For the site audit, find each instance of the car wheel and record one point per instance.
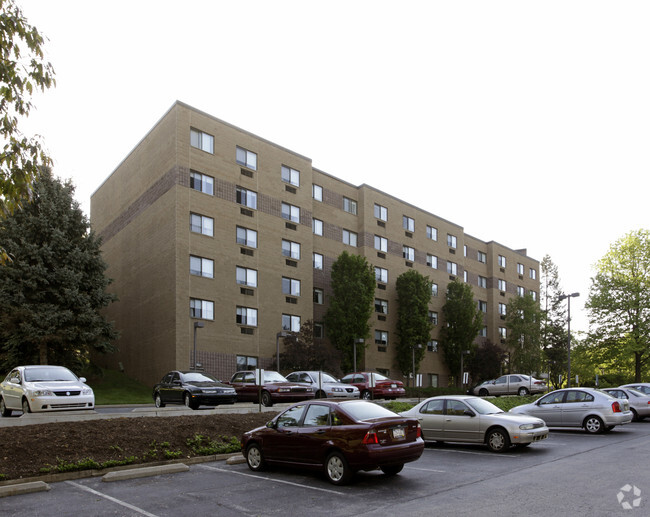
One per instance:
(392, 470)
(635, 415)
(593, 425)
(187, 400)
(320, 394)
(337, 469)
(498, 440)
(522, 392)
(26, 408)
(365, 395)
(254, 458)
(483, 392)
(4, 411)
(267, 401)
(158, 401)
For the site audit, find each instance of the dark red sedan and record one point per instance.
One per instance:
(275, 388)
(384, 388)
(340, 438)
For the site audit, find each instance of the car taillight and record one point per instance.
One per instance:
(419, 431)
(616, 407)
(370, 438)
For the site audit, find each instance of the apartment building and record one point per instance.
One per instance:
(218, 240)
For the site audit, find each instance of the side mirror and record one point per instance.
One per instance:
(271, 424)
(82, 379)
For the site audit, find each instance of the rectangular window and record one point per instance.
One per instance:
(319, 330)
(432, 233)
(451, 241)
(381, 212)
(482, 257)
(202, 141)
(290, 249)
(202, 183)
(483, 332)
(246, 158)
(317, 192)
(381, 275)
(247, 277)
(465, 276)
(381, 243)
(534, 295)
(433, 377)
(317, 226)
(318, 296)
(291, 176)
(201, 266)
(432, 261)
(521, 291)
(482, 282)
(502, 309)
(465, 250)
(201, 309)
(381, 306)
(408, 253)
(452, 268)
(502, 261)
(245, 362)
(520, 269)
(247, 198)
(408, 223)
(502, 332)
(291, 322)
(349, 205)
(381, 337)
(246, 237)
(290, 286)
(432, 346)
(247, 316)
(434, 290)
(318, 261)
(502, 285)
(290, 212)
(202, 224)
(433, 317)
(482, 306)
(532, 273)
(349, 238)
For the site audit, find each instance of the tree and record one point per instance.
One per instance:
(486, 362)
(23, 70)
(553, 334)
(52, 292)
(413, 324)
(619, 302)
(350, 308)
(301, 353)
(523, 339)
(462, 323)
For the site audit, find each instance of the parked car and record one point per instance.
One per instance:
(193, 389)
(383, 386)
(639, 401)
(474, 390)
(275, 388)
(325, 385)
(42, 388)
(340, 437)
(469, 419)
(512, 384)
(641, 386)
(589, 408)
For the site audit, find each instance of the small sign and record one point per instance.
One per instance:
(372, 380)
(466, 378)
(259, 376)
(418, 380)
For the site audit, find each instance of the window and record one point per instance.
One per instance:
(202, 141)
(408, 253)
(451, 241)
(290, 286)
(483, 331)
(432, 261)
(521, 291)
(319, 330)
(247, 277)
(202, 309)
(349, 205)
(534, 295)
(532, 273)
(381, 337)
(502, 261)
(502, 309)
(202, 183)
(433, 317)
(381, 243)
(201, 266)
(202, 224)
(482, 282)
(381, 275)
(247, 198)
(502, 332)
(433, 379)
(317, 226)
(432, 233)
(246, 158)
(245, 362)
(291, 176)
(246, 237)
(318, 296)
(247, 316)
(465, 276)
(452, 268)
(317, 260)
(482, 257)
(349, 238)
(502, 285)
(408, 223)
(317, 192)
(432, 346)
(290, 212)
(482, 306)
(291, 249)
(434, 290)
(520, 269)
(291, 322)
(381, 212)
(465, 251)
(381, 306)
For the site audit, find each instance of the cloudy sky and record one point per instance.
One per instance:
(525, 122)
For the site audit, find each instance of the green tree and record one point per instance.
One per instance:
(413, 324)
(523, 340)
(554, 318)
(486, 362)
(350, 308)
(301, 353)
(22, 70)
(619, 303)
(53, 290)
(462, 323)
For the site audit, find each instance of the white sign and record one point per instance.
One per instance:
(259, 376)
(466, 378)
(418, 380)
(372, 380)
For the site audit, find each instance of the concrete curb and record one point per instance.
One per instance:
(24, 488)
(145, 472)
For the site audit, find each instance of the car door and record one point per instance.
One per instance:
(165, 389)
(461, 423)
(577, 405)
(314, 435)
(514, 383)
(549, 408)
(500, 386)
(431, 417)
(280, 441)
(13, 390)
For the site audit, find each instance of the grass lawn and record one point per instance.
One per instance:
(113, 387)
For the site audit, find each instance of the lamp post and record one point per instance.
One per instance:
(279, 335)
(413, 348)
(197, 325)
(359, 341)
(568, 323)
(462, 359)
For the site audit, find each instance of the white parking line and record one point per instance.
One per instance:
(426, 470)
(256, 476)
(108, 497)
(490, 454)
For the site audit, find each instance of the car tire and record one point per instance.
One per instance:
(4, 410)
(267, 400)
(593, 425)
(255, 458)
(392, 470)
(26, 408)
(635, 415)
(337, 470)
(498, 440)
(483, 392)
(320, 394)
(366, 395)
(157, 400)
(187, 400)
(522, 392)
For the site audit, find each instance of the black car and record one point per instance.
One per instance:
(192, 389)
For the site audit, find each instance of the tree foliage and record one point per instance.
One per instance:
(462, 323)
(485, 363)
(23, 70)
(619, 303)
(553, 332)
(52, 292)
(350, 308)
(523, 339)
(301, 353)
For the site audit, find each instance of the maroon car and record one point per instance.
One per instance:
(384, 387)
(275, 388)
(340, 438)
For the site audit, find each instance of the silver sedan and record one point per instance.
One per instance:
(462, 418)
(639, 401)
(325, 385)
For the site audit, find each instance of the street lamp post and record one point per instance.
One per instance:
(568, 323)
(359, 341)
(197, 325)
(279, 335)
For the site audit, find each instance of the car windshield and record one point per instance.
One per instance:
(326, 377)
(362, 410)
(274, 377)
(483, 407)
(380, 377)
(49, 374)
(198, 377)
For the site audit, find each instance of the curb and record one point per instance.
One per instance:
(24, 488)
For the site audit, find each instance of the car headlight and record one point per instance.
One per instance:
(284, 390)
(337, 389)
(526, 427)
(42, 393)
(87, 391)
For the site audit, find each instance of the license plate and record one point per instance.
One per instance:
(398, 433)
(393, 385)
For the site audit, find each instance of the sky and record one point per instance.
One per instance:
(527, 123)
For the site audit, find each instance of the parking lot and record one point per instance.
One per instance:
(570, 472)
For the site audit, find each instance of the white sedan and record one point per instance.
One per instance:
(41, 388)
